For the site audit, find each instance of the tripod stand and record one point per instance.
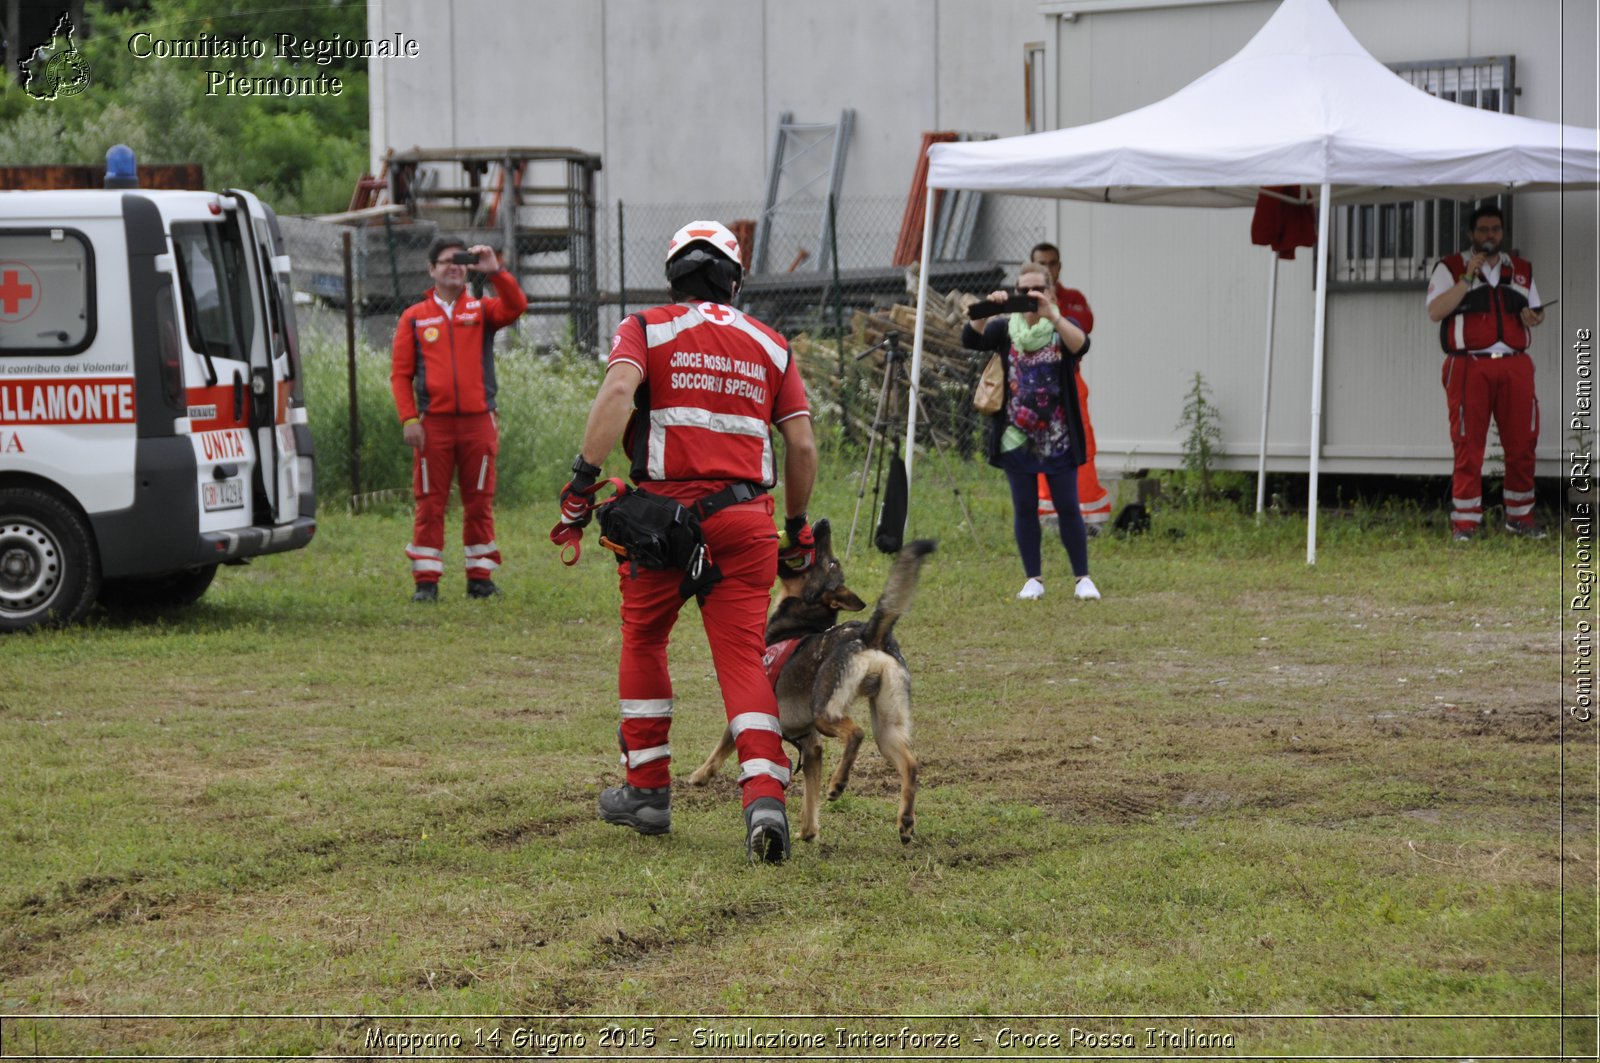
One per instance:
(878, 440)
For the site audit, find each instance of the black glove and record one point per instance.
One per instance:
(577, 497)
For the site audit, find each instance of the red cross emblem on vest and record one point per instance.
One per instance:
(716, 312)
(19, 291)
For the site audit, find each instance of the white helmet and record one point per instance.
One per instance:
(711, 233)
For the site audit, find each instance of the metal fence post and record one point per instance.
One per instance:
(350, 363)
(622, 266)
(838, 316)
(394, 260)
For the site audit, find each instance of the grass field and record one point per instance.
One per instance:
(1316, 810)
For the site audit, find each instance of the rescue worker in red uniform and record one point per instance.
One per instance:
(697, 386)
(1487, 305)
(443, 380)
(1094, 501)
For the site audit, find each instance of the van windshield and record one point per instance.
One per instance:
(216, 289)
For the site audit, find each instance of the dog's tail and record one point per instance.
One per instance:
(897, 593)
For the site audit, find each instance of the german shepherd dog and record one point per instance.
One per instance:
(833, 665)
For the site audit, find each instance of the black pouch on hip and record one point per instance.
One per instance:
(650, 531)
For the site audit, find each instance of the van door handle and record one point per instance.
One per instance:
(238, 395)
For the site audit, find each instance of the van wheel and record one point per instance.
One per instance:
(49, 570)
(169, 591)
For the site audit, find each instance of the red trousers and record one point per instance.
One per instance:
(464, 444)
(1478, 389)
(1094, 501)
(743, 543)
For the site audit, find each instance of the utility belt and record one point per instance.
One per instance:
(1483, 354)
(654, 532)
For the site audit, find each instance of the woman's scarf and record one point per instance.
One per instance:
(1026, 337)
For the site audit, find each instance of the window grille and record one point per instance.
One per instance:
(1395, 245)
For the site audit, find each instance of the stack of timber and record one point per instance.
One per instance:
(941, 341)
(846, 384)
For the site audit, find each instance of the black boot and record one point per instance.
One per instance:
(766, 831)
(648, 811)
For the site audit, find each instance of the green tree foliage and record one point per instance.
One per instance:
(300, 153)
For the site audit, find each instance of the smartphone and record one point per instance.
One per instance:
(1016, 304)
(463, 258)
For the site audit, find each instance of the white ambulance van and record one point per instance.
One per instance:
(152, 418)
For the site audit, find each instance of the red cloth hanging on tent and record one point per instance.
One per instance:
(1283, 226)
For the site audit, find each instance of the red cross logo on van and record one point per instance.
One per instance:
(19, 291)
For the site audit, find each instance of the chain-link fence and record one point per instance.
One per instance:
(847, 314)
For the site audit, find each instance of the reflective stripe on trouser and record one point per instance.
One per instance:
(646, 755)
(425, 563)
(1477, 389)
(482, 559)
(743, 543)
(1519, 505)
(458, 447)
(1466, 511)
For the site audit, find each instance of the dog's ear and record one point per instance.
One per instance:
(844, 599)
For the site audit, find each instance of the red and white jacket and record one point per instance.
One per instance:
(444, 363)
(1074, 306)
(1489, 314)
(715, 380)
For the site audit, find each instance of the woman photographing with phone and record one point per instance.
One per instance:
(1039, 427)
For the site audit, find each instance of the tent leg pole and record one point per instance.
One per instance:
(1266, 381)
(912, 401)
(1318, 348)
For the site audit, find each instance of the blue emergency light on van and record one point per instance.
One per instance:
(122, 167)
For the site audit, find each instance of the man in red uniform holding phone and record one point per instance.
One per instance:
(443, 381)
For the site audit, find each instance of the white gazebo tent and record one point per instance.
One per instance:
(1301, 104)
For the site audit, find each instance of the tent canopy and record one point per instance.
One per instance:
(1302, 103)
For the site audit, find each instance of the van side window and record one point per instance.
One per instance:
(46, 292)
(216, 289)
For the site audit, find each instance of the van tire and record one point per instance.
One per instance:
(151, 593)
(49, 567)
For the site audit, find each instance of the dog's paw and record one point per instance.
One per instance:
(908, 826)
(700, 777)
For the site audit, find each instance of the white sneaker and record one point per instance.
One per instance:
(1034, 588)
(1087, 591)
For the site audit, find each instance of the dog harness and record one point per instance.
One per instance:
(777, 655)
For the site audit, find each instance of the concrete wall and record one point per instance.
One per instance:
(680, 97)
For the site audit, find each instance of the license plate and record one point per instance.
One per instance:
(222, 494)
